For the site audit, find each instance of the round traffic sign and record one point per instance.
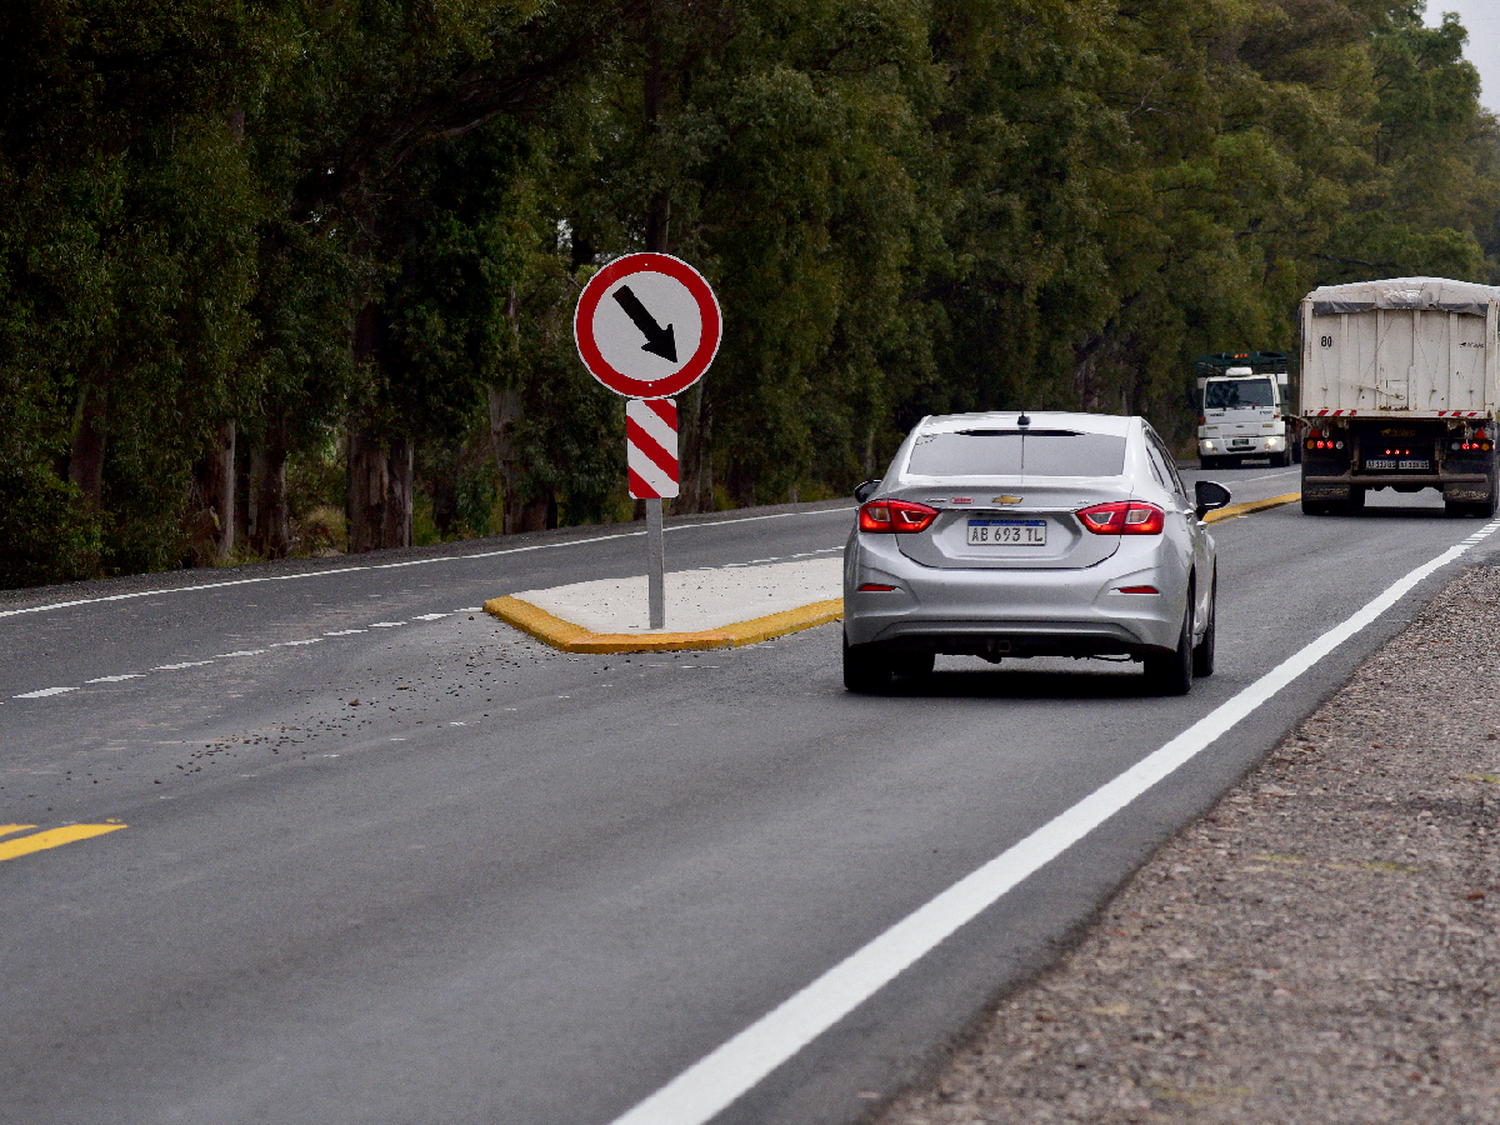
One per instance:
(647, 325)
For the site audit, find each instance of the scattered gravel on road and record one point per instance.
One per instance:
(1322, 947)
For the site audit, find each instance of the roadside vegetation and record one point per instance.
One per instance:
(297, 276)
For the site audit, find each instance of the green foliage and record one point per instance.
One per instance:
(329, 223)
(46, 537)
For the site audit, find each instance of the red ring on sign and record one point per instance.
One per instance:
(708, 313)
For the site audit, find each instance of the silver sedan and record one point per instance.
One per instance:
(1014, 535)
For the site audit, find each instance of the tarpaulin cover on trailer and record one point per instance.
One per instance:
(1462, 297)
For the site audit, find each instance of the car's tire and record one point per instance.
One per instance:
(914, 664)
(866, 672)
(1203, 651)
(1172, 673)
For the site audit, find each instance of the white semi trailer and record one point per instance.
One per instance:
(1398, 390)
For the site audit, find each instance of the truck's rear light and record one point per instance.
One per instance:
(1123, 517)
(900, 517)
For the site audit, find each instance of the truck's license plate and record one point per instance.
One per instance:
(1393, 464)
(1015, 533)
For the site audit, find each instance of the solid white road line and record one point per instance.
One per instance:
(671, 529)
(718, 1079)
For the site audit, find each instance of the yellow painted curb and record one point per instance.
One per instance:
(1245, 509)
(564, 635)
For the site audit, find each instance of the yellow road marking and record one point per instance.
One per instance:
(1234, 510)
(52, 838)
(569, 637)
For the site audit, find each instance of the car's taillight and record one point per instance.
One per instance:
(1124, 517)
(901, 517)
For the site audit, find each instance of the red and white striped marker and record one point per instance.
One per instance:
(651, 447)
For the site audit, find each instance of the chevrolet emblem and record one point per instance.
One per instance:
(1006, 500)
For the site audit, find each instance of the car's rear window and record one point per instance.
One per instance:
(1042, 453)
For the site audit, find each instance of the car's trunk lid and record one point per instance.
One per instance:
(1014, 523)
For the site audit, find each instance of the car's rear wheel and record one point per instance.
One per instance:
(1203, 652)
(865, 671)
(914, 664)
(1172, 673)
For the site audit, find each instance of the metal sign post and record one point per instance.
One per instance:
(656, 564)
(647, 326)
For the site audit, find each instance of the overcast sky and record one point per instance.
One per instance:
(1481, 19)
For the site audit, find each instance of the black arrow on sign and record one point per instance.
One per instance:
(659, 341)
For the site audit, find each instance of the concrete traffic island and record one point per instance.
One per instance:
(717, 607)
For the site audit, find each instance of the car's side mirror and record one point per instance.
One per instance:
(1210, 496)
(865, 490)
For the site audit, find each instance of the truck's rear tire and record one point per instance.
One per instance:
(1484, 509)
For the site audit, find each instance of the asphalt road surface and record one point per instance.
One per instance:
(332, 845)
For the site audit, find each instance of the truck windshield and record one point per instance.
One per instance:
(1240, 394)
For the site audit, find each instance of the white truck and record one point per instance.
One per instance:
(1244, 408)
(1398, 390)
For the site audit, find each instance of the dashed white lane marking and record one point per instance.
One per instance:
(48, 692)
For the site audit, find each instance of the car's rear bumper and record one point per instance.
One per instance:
(1033, 612)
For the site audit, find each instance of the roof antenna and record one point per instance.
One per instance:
(1024, 419)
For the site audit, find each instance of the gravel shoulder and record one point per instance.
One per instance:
(1321, 947)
